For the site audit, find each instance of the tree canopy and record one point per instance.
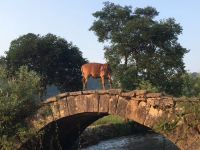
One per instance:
(140, 48)
(55, 59)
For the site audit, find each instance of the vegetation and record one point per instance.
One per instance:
(108, 120)
(56, 60)
(146, 85)
(165, 126)
(2, 61)
(191, 85)
(191, 108)
(144, 54)
(19, 95)
(140, 48)
(187, 116)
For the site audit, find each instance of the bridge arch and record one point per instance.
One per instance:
(72, 112)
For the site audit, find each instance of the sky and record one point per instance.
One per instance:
(71, 19)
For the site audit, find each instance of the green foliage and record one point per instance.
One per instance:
(140, 48)
(127, 78)
(2, 61)
(146, 85)
(19, 99)
(56, 60)
(187, 116)
(165, 126)
(109, 120)
(190, 107)
(191, 86)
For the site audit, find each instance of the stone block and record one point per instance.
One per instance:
(128, 94)
(155, 102)
(162, 103)
(92, 102)
(62, 95)
(71, 105)
(131, 108)
(63, 108)
(89, 92)
(42, 118)
(104, 103)
(121, 107)
(141, 115)
(153, 95)
(75, 93)
(136, 113)
(51, 100)
(113, 104)
(168, 102)
(198, 127)
(80, 104)
(140, 92)
(138, 99)
(153, 112)
(102, 91)
(150, 121)
(115, 91)
(142, 104)
(55, 108)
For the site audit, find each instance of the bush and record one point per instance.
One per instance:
(191, 85)
(19, 99)
(146, 85)
(109, 120)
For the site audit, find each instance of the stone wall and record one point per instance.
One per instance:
(140, 106)
(153, 110)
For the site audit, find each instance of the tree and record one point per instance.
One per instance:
(18, 100)
(2, 61)
(191, 84)
(139, 45)
(56, 60)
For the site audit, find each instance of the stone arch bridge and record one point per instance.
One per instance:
(72, 112)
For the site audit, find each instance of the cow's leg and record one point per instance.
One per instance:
(103, 82)
(84, 80)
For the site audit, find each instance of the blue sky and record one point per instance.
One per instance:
(71, 20)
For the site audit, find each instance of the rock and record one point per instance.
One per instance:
(154, 95)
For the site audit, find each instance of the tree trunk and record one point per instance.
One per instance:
(126, 61)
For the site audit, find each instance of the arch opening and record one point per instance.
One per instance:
(64, 133)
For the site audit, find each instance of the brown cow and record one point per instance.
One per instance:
(96, 70)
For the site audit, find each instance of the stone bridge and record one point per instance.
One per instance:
(70, 113)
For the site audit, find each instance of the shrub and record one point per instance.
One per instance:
(146, 85)
(19, 99)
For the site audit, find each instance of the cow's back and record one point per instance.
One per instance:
(91, 69)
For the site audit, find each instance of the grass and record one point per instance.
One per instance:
(111, 119)
(165, 126)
